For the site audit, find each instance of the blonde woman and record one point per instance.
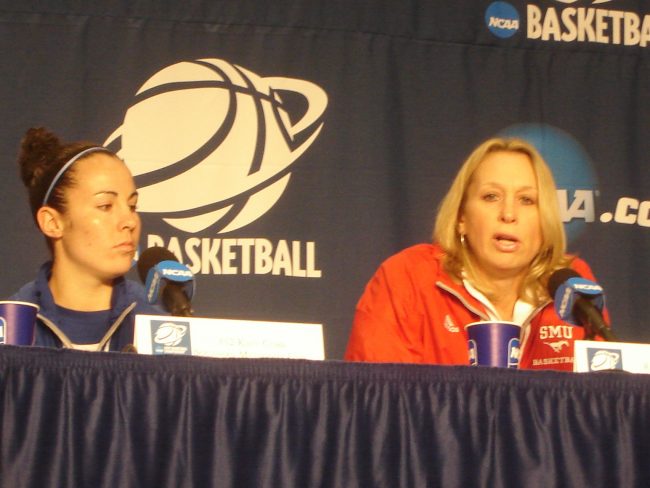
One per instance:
(497, 239)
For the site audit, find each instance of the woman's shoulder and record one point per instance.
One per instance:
(134, 289)
(26, 293)
(580, 266)
(419, 258)
(419, 252)
(135, 292)
(32, 290)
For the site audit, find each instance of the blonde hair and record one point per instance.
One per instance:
(552, 253)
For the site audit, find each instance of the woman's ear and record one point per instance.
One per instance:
(50, 222)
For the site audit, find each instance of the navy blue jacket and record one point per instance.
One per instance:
(128, 299)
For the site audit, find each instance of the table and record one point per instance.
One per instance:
(81, 419)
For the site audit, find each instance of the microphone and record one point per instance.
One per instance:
(579, 302)
(163, 276)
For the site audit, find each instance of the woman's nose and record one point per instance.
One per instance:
(508, 214)
(129, 219)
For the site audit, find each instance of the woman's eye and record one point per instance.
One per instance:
(105, 207)
(526, 200)
(490, 197)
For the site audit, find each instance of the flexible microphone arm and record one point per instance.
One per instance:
(175, 300)
(593, 321)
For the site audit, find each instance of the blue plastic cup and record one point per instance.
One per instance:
(493, 343)
(17, 322)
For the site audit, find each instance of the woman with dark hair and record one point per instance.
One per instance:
(498, 238)
(83, 199)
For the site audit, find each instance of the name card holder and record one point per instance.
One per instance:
(226, 338)
(603, 356)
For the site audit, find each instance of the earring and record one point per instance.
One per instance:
(462, 240)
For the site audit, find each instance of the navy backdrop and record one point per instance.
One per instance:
(284, 149)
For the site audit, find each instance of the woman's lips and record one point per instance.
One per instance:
(506, 242)
(125, 247)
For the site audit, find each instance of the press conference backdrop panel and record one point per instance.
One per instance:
(284, 149)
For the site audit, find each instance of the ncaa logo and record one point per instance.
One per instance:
(502, 19)
(212, 143)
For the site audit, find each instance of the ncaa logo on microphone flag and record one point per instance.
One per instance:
(212, 144)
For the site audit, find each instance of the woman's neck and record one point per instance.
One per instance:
(79, 292)
(505, 307)
(505, 293)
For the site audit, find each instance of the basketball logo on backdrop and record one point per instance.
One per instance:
(212, 146)
(211, 143)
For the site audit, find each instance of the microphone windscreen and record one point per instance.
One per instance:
(560, 277)
(152, 256)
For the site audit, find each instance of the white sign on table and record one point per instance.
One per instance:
(227, 338)
(603, 356)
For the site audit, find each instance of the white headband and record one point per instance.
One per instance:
(67, 165)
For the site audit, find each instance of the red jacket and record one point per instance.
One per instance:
(413, 312)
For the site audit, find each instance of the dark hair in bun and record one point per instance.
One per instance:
(42, 155)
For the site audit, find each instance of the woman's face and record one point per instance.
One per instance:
(500, 217)
(100, 228)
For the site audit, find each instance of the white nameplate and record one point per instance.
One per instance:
(602, 356)
(225, 338)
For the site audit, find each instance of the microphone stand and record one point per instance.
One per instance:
(593, 323)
